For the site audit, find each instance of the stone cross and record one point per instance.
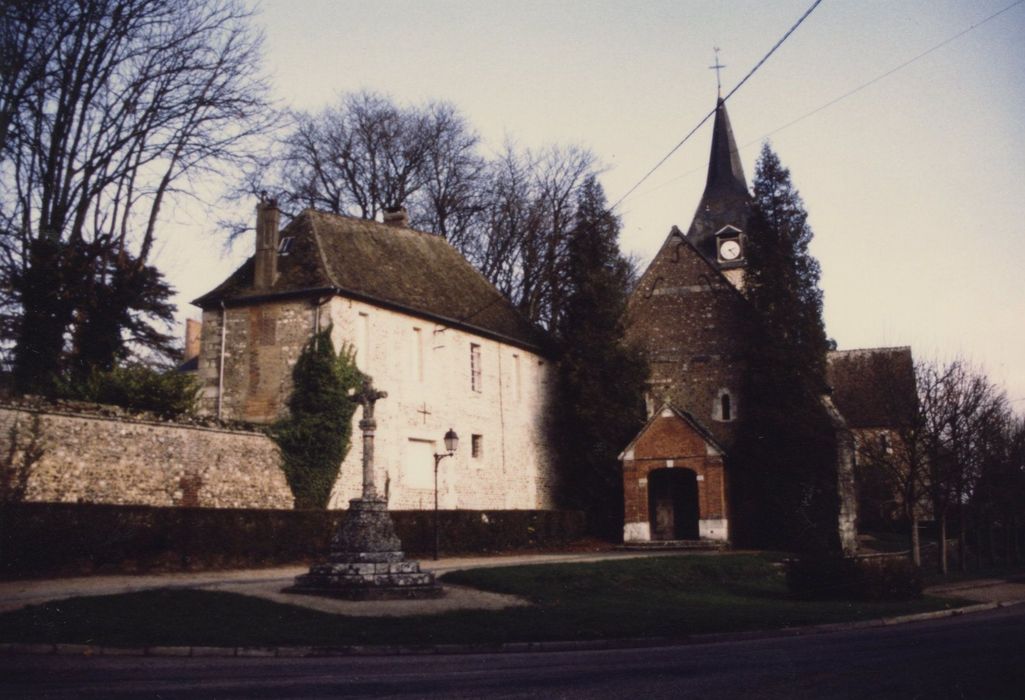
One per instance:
(367, 396)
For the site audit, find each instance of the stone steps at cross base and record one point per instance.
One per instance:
(675, 545)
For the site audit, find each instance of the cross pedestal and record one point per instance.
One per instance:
(366, 561)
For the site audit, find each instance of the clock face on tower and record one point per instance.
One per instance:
(729, 250)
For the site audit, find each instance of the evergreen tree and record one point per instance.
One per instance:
(787, 449)
(601, 380)
(315, 437)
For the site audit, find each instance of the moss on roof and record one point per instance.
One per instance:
(392, 266)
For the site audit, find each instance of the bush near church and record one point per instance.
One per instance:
(830, 576)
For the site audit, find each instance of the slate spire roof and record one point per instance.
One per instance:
(725, 172)
(726, 200)
(394, 267)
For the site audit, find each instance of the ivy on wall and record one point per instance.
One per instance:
(316, 435)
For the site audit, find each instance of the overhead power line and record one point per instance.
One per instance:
(854, 91)
(724, 99)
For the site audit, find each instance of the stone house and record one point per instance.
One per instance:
(447, 347)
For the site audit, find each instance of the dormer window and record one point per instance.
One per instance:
(285, 246)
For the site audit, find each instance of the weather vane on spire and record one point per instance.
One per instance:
(717, 67)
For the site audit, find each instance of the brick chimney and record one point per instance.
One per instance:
(193, 329)
(267, 216)
(396, 216)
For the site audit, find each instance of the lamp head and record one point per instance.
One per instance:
(451, 440)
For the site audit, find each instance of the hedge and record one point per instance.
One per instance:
(46, 539)
(835, 577)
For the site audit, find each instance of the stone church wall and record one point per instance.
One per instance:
(428, 371)
(98, 459)
(690, 322)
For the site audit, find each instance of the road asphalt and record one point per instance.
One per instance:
(966, 656)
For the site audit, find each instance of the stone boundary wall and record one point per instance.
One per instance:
(97, 459)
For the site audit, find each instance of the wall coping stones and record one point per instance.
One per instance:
(116, 414)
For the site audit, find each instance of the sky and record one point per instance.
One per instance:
(914, 184)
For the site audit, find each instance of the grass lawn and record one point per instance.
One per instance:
(661, 597)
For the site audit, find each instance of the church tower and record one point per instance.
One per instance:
(718, 228)
(690, 319)
(687, 312)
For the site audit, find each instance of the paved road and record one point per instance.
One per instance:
(972, 656)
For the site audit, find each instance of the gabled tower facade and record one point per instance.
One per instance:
(689, 317)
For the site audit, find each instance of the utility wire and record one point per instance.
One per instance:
(853, 91)
(724, 99)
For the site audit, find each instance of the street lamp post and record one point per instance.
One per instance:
(451, 443)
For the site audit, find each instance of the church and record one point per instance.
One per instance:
(687, 315)
(446, 346)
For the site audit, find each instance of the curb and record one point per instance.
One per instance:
(86, 650)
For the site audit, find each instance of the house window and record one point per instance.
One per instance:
(285, 246)
(363, 341)
(884, 444)
(417, 355)
(725, 408)
(477, 446)
(517, 385)
(475, 373)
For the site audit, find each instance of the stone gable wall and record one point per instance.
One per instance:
(97, 459)
(690, 324)
(262, 343)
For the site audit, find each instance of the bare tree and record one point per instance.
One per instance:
(895, 455)
(117, 104)
(963, 418)
(366, 154)
(509, 215)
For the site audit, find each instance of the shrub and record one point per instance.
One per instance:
(48, 539)
(832, 577)
(139, 388)
(315, 437)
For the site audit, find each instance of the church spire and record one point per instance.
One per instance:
(719, 225)
(725, 173)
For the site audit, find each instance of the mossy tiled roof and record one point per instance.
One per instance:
(401, 268)
(872, 387)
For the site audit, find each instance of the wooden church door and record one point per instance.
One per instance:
(673, 504)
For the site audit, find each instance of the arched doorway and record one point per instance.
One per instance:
(673, 504)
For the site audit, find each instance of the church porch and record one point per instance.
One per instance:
(674, 485)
